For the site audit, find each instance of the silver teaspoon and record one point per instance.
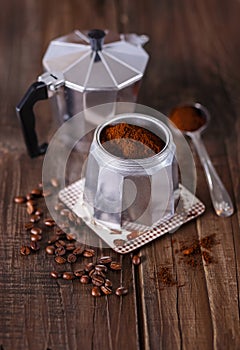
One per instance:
(220, 198)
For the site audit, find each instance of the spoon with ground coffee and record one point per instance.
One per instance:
(192, 120)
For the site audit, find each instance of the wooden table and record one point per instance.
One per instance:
(195, 55)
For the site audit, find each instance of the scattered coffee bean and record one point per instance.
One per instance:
(58, 244)
(101, 268)
(50, 249)
(35, 237)
(36, 192)
(121, 291)
(34, 218)
(79, 250)
(71, 237)
(36, 231)
(60, 259)
(115, 232)
(106, 290)
(55, 274)
(89, 267)
(49, 222)
(115, 265)
(119, 242)
(30, 209)
(70, 247)
(134, 234)
(64, 212)
(72, 217)
(25, 250)
(28, 226)
(91, 273)
(97, 280)
(84, 279)
(108, 283)
(53, 239)
(47, 193)
(39, 211)
(59, 206)
(105, 260)
(54, 182)
(29, 196)
(34, 246)
(20, 199)
(96, 292)
(68, 275)
(31, 202)
(79, 273)
(88, 253)
(136, 260)
(60, 251)
(71, 258)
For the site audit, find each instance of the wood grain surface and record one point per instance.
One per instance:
(195, 54)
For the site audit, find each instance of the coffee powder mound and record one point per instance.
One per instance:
(130, 141)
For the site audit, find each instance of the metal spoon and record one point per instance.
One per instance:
(220, 198)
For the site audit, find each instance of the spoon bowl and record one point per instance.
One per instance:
(220, 198)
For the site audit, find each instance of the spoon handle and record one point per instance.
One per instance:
(220, 198)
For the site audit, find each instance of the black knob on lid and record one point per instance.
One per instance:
(96, 37)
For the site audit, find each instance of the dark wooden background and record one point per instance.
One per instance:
(195, 55)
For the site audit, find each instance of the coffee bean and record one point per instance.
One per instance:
(28, 226)
(35, 238)
(71, 258)
(49, 222)
(36, 231)
(101, 268)
(115, 265)
(105, 260)
(20, 199)
(136, 260)
(53, 239)
(64, 212)
(59, 206)
(34, 218)
(34, 246)
(71, 236)
(46, 193)
(134, 234)
(54, 182)
(62, 242)
(39, 212)
(65, 226)
(79, 250)
(60, 259)
(88, 253)
(70, 246)
(84, 279)
(31, 202)
(79, 273)
(59, 244)
(68, 275)
(108, 283)
(115, 232)
(30, 209)
(72, 217)
(36, 192)
(25, 250)
(29, 196)
(60, 251)
(55, 274)
(89, 267)
(121, 291)
(106, 290)
(119, 242)
(97, 280)
(60, 232)
(50, 249)
(96, 292)
(91, 273)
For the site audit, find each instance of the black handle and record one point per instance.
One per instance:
(36, 92)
